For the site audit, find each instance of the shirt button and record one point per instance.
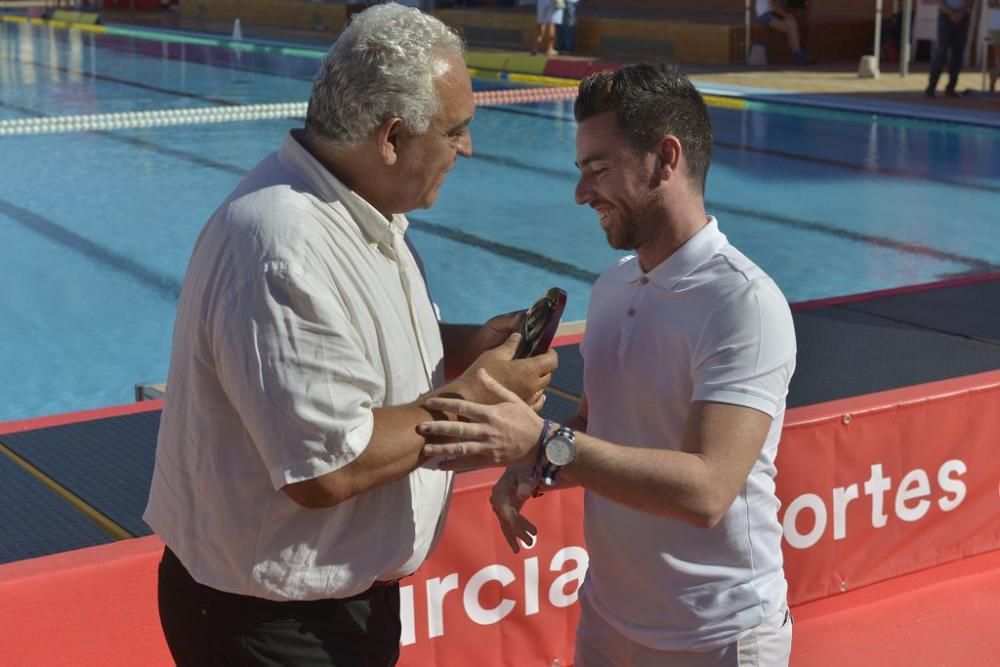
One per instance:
(644, 280)
(631, 312)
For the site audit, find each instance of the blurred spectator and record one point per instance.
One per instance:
(566, 31)
(549, 13)
(775, 16)
(952, 31)
(801, 11)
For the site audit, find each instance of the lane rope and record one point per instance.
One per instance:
(127, 120)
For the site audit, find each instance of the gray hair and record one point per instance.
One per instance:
(382, 65)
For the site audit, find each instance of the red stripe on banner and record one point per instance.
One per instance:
(75, 417)
(894, 291)
(808, 415)
(567, 339)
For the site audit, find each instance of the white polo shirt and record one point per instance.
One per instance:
(302, 309)
(706, 324)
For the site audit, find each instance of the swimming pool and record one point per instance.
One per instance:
(97, 226)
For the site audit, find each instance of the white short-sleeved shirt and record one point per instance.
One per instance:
(546, 12)
(302, 310)
(706, 324)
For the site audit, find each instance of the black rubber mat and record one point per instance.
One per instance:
(568, 377)
(34, 521)
(107, 463)
(558, 408)
(844, 352)
(971, 310)
(874, 345)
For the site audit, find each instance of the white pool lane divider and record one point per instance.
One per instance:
(128, 120)
(157, 118)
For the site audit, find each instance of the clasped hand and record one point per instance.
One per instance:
(501, 433)
(510, 492)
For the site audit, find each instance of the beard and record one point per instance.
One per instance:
(629, 230)
(621, 236)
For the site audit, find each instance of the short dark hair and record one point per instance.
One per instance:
(650, 101)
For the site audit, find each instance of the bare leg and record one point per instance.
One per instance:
(801, 17)
(787, 25)
(550, 39)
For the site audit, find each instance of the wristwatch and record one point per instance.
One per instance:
(559, 450)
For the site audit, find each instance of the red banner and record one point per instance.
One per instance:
(476, 602)
(877, 486)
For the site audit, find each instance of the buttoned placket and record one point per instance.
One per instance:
(628, 324)
(398, 253)
(384, 235)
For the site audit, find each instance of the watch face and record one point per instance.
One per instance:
(560, 450)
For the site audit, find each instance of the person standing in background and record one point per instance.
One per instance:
(801, 11)
(566, 31)
(549, 13)
(776, 16)
(952, 33)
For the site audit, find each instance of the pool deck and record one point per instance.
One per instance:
(830, 84)
(838, 86)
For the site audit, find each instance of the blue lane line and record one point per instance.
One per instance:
(767, 216)
(788, 155)
(167, 287)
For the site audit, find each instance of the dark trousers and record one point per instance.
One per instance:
(566, 31)
(951, 45)
(205, 626)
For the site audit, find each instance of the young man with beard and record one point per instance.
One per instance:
(688, 351)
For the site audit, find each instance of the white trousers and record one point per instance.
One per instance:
(600, 645)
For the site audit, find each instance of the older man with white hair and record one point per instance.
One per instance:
(290, 487)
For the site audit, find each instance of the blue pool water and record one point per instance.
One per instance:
(96, 227)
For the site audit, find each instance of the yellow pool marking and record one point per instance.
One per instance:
(725, 102)
(67, 25)
(563, 393)
(78, 503)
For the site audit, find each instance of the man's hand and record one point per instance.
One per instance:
(501, 430)
(497, 329)
(527, 378)
(464, 342)
(510, 492)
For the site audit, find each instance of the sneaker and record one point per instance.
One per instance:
(950, 92)
(803, 58)
(930, 93)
